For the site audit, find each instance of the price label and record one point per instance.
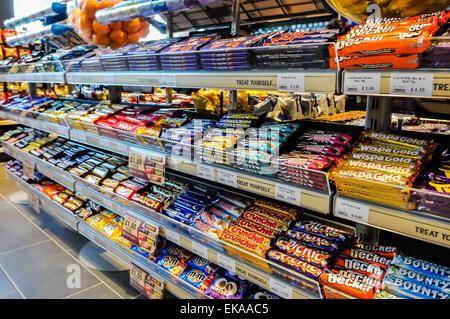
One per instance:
(352, 210)
(33, 201)
(28, 168)
(280, 288)
(362, 83)
(287, 193)
(291, 82)
(200, 250)
(403, 83)
(206, 172)
(168, 80)
(172, 236)
(147, 165)
(227, 177)
(131, 225)
(226, 262)
(136, 160)
(137, 275)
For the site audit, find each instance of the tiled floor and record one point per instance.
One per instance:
(39, 258)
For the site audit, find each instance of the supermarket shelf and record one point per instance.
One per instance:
(440, 87)
(37, 124)
(173, 284)
(50, 77)
(247, 265)
(315, 81)
(418, 225)
(57, 174)
(315, 200)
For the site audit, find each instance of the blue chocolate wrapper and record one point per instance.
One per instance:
(418, 278)
(411, 290)
(422, 266)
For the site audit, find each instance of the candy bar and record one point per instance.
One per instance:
(249, 235)
(386, 251)
(316, 228)
(209, 230)
(258, 228)
(351, 286)
(214, 220)
(244, 243)
(423, 267)
(418, 278)
(225, 287)
(197, 278)
(313, 241)
(412, 290)
(370, 257)
(265, 221)
(310, 255)
(359, 266)
(290, 212)
(294, 263)
(279, 217)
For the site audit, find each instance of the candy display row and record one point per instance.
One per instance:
(208, 278)
(392, 44)
(405, 43)
(268, 230)
(390, 165)
(243, 141)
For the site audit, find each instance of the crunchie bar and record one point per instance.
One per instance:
(250, 235)
(244, 243)
(265, 221)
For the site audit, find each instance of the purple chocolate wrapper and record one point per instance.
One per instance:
(223, 55)
(294, 263)
(224, 64)
(225, 287)
(227, 68)
(190, 44)
(233, 43)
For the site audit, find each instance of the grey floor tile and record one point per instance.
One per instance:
(56, 229)
(41, 271)
(5, 284)
(15, 230)
(119, 281)
(11, 295)
(97, 292)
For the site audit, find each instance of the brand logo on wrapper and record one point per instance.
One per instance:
(254, 147)
(73, 280)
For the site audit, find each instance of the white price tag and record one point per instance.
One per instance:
(287, 193)
(206, 172)
(403, 83)
(29, 168)
(227, 177)
(352, 210)
(291, 82)
(172, 236)
(280, 288)
(226, 262)
(362, 82)
(200, 250)
(168, 80)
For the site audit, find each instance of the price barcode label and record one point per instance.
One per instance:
(352, 210)
(200, 250)
(420, 84)
(288, 194)
(206, 172)
(33, 201)
(226, 262)
(227, 177)
(131, 225)
(136, 160)
(291, 82)
(172, 236)
(168, 80)
(362, 83)
(28, 168)
(280, 288)
(137, 275)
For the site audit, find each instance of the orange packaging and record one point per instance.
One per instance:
(9, 52)
(351, 286)
(439, 17)
(393, 30)
(411, 61)
(379, 45)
